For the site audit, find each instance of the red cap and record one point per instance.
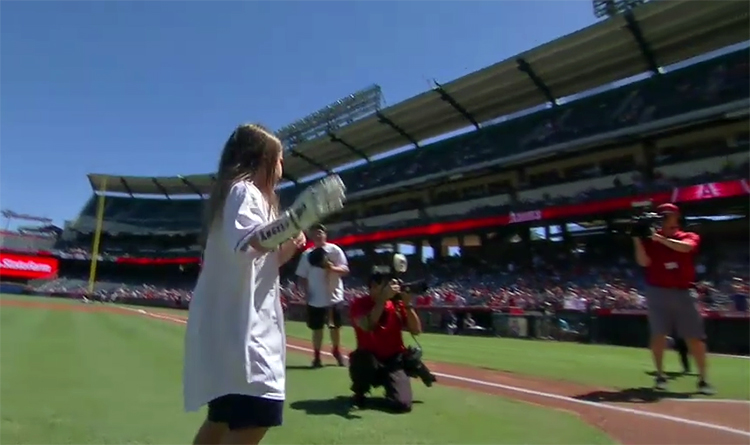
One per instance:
(668, 208)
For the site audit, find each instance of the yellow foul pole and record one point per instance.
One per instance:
(97, 235)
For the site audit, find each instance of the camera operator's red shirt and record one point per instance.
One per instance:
(670, 268)
(385, 340)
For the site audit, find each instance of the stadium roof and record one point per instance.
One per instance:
(144, 185)
(652, 35)
(670, 31)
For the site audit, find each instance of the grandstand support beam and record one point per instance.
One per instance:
(635, 30)
(525, 68)
(310, 161)
(383, 119)
(126, 186)
(337, 140)
(448, 98)
(191, 186)
(161, 188)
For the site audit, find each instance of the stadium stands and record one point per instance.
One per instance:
(696, 87)
(535, 198)
(144, 215)
(602, 277)
(20, 242)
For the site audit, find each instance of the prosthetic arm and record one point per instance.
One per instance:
(315, 203)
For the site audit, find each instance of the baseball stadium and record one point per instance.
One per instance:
(516, 218)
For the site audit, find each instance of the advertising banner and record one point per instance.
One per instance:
(693, 193)
(27, 267)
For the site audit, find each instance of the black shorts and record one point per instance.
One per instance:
(317, 317)
(241, 411)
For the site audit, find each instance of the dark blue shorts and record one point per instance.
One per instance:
(240, 411)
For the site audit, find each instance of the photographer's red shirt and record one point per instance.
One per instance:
(670, 268)
(385, 340)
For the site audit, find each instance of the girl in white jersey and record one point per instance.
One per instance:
(235, 347)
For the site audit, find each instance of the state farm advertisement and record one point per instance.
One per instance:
(27, 267)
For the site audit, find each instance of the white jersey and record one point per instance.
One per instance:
(323, 287)
(235, 341)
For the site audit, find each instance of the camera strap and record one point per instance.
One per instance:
(414, 337)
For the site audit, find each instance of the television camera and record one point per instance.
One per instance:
(643, 225)
(640, 225)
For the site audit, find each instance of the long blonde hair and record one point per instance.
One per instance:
(251, 152)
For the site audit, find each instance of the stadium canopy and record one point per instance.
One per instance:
(145, 185)
(653, 35)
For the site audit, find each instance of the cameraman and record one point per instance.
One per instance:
(381, 359)
(667, 256)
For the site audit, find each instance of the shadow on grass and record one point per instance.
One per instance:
(338, 406)
(310, 368)
(672, 375)
(633, 395)
(341, 406)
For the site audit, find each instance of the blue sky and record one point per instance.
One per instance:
(154, 88)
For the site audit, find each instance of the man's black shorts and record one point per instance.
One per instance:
(317, 317)
(241, 411)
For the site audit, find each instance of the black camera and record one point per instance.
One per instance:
(412, 287)
(318, 257)
(394, 271)
(414, 366)
(643, 225)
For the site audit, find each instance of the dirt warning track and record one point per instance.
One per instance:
(630, 416)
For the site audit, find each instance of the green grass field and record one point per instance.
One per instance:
(75, 377)
(596, 365)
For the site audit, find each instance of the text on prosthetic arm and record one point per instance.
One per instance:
(275, 233)
(316, 202)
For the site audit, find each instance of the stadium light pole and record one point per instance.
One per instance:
(611, 8)
(97, 235)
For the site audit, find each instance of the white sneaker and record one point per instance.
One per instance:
(705, 389)
(660, 383)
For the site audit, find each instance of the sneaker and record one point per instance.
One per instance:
(339, 358)
(317, 363)
(660, 383)
(705, 389)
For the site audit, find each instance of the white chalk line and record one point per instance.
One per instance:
(744, 357)
(532, 392)
(739, 402)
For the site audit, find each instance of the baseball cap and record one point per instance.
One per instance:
(318, 226)
(667, 208)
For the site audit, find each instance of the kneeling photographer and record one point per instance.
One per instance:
(381, 359)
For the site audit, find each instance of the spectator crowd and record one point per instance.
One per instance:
(589, 277)
(457, 283)
(580, 286)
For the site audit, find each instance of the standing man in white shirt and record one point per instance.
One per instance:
(235, 345)
(323, 285)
